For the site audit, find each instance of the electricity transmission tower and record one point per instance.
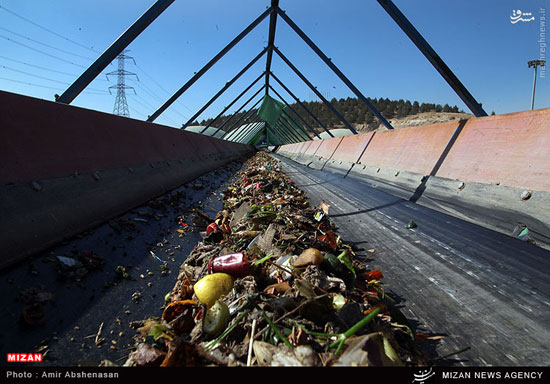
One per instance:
(121, 105)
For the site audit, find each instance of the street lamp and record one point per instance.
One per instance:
(535, 63)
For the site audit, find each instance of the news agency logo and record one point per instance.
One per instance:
(518, 15)
(24, 358)
(423, 376)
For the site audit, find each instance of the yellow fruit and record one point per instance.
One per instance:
(216, 318)
(211, 287)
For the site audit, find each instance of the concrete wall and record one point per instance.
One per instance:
(66, 168)
(492, 170)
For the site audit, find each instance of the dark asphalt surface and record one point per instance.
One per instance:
(74, 308)
(478, 288)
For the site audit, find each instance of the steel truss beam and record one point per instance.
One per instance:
(285, 127)
(113, 51)
(238, 110)
(225, 87)
(301, 104)
(244, 119)
(294, 111)
(215, 59)
(247, 119)
(432, 57)
(312, 87)
(292, 122)
(233, 102)
(331, 65)
(232, 128)
(270, 42)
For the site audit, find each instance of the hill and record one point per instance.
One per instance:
(426, 118)
(398, 112)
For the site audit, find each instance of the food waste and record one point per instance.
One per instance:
(273, 284)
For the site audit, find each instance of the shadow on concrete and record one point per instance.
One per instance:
(422, 187)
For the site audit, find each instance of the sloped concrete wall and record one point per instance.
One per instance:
(493, 170)
(66, 168)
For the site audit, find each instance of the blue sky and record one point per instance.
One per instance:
(45, 45)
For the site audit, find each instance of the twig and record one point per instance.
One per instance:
(122, 358)
(98, 338)
(249, 359)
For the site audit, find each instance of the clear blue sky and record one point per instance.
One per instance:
(45, 45)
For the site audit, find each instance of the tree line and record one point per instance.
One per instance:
(352, 109)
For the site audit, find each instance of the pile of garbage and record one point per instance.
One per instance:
(272, 284)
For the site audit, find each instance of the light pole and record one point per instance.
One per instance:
(535, 64)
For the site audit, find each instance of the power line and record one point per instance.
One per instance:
(147, 90)
(145, 103)
(45, 78)
(155, 96)
(44, 68)
(165, 91)
(48, 30)
(47, 45)
(45, 86)
(38, 66)
(42, 52)
(32, 74)
(147, 107)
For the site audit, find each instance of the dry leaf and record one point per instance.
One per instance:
(324, 207)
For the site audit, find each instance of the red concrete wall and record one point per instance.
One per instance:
(42, 139)
(352, 147)
(296, 147)
(327, 147)
(511, 149)
(413, 149)
(290, 148)
(312, 148)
